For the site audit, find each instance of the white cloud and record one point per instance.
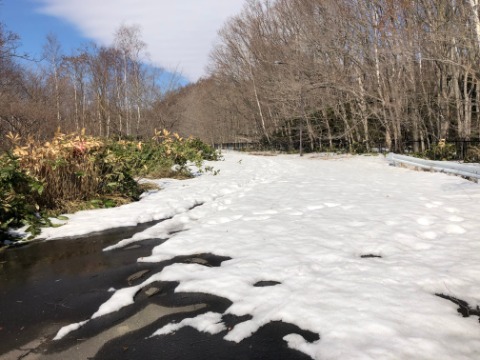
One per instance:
(179, 33)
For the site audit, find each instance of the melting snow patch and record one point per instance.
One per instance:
(68, 329)
(209, 322)
(297, 342)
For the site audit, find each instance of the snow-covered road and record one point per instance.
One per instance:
(305, 223)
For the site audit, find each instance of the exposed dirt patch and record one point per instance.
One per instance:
(370, 256)
(463, 307)
(266, 283)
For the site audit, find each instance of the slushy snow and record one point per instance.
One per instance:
(305, 223)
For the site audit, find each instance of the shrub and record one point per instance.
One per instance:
(441, 151)
(205, 151)
(17, 198)
(473, 154)
(74, 169)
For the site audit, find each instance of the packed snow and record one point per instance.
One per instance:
(305, 222)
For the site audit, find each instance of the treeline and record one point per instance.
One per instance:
(329, 72)
(110, 91)
(357, 72)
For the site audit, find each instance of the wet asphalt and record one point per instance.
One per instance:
(47, 285)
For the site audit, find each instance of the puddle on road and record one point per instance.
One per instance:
(62, 281)
(81, 255)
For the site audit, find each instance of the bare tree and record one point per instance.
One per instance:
(128, 41)
(52, 53)
(359, 72)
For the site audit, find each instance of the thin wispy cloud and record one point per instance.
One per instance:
(179, 33)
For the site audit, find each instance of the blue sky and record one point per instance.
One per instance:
(24, 18)
(179, 33)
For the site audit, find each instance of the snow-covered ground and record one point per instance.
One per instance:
(305, 223)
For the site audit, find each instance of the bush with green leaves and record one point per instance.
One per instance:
(18, 191)
(473, 154)
(76, 171)
(441, 151)
(157, 157)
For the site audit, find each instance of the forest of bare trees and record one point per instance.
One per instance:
(355, 72)
(109, 91)
(328, 72)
